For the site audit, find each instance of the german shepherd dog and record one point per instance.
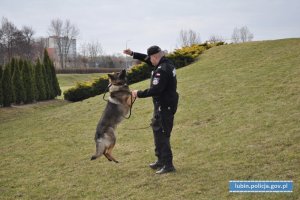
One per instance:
(118, 105)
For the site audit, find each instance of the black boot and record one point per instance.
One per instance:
(166, 169)
(156, 165)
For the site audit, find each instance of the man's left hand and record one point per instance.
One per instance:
(134, 93)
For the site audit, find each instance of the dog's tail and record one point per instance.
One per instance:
(100, 148)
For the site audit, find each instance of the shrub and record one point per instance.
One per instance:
(7, 87)
(1, 92)
(18, 85)
(180, 58)
(54, 89)
(28, 82)
(40, 81)
(78, 93)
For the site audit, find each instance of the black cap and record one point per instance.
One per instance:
(153, 50)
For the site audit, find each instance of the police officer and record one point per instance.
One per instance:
(165, 99)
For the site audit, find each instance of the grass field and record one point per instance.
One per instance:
(238, 119)
(69, 80)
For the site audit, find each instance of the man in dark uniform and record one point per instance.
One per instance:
(165, 99)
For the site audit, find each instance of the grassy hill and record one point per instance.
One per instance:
(238, 119)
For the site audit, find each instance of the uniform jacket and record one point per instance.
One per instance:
(163, 83)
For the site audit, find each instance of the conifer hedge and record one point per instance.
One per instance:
(1, 90)
(22, 82)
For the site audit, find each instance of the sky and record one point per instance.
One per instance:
(140, 23)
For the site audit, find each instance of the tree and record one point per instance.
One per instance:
(47, 90)
(65, 34)
(7, 87)
(48, 77)
(15, 42)
(235, 35)
(53, 82)
(57, 90)
(1, 92)
(95, 51)
(188, 38)
(241, 35)
(35, 89)
(246, 35)
(18, 87)
(215, 39)
(28, 82)
(7, 34)
(40, 81)
(28, 43)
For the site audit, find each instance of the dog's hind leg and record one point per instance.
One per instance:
(108, 153)
(100, 149)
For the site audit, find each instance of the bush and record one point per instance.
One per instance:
(23, 82)
(7, 87)
(18, 85)
(78, 93)
(180, 58)
(138, 73)
(1, 92)
(28, 82)
(40, 81)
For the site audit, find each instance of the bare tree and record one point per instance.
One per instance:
(215, 39)
(16, 43)
(246, 35)
(27, 48)
(39, 47)
(241, 35)
(235, 35)
(7, 35)
(65, 34)
(95, 51)
(188, 38)
(84, 54)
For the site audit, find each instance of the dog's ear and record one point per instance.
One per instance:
(122, 74)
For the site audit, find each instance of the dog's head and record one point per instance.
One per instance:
(118, 78)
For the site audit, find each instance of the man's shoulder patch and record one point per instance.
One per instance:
(155, 81)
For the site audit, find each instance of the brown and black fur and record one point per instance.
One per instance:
(118, 106)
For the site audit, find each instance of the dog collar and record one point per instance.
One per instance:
(111, 100)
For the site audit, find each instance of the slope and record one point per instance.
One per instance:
(238, 119)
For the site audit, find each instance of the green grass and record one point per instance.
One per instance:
(67, 81)
(238, 119)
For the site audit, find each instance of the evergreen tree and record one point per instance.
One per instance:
(53, 79)
(21, 67)
(1, 93)
(28, 82)
(40, 81)
(35, 89)
(18, 87)
(49, 79)
(7, 87)
(57, 91)
(32, 75)
(13, 65)
(47, 90)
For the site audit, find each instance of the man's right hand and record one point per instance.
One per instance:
(128, 52)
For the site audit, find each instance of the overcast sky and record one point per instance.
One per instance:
(143, 23)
